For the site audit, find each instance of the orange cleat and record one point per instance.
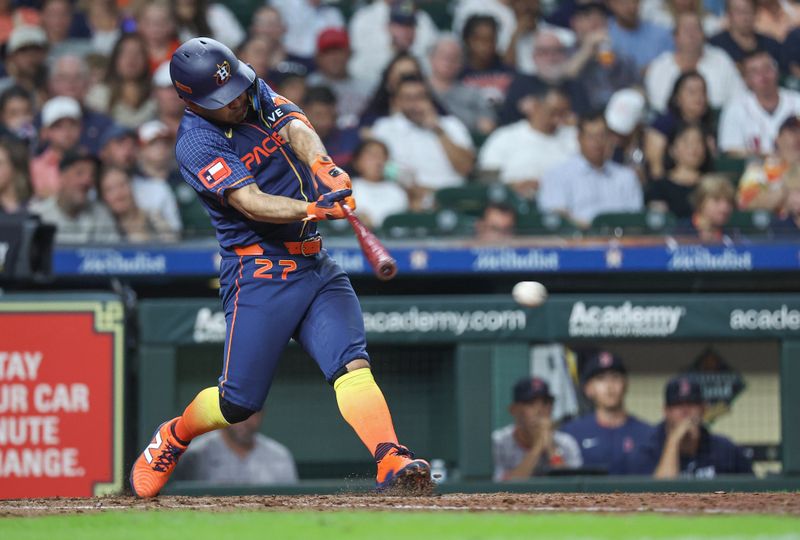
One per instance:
(153, 467)
(398, 470)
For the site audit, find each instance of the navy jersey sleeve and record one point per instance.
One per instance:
(646, 456)
(276, 111)
(208, 163)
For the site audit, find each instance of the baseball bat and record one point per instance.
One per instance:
(382, 263)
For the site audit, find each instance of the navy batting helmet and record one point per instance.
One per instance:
(206, 72)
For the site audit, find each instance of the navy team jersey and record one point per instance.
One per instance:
(612, 449)
(715, 455)
(215, 158)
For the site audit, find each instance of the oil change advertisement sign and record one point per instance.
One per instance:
(60, 398)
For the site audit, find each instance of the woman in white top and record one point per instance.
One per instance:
(377, 197)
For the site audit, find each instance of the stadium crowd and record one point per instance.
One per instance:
(575, 109)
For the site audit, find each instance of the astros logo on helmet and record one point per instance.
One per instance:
(223, 72)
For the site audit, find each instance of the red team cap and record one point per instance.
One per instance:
(333, 39)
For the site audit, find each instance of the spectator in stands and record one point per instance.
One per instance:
(105, 22)
(238, 454)
(666, 12)
(788, 221)
(631, 36)
(16, 114)
(13, 14)
(688, 152)
(741, 37)
(550, 58)
(483, 67)
(15, 187)
(132, 223)
(594, 66)
(791, 60)
(265, 45)
(776, 18)
(531, 446)
(590, 183)
(320, 108)
(465, 103)
(69, 76)
(749, 122)
(521, 152)
(333, 53)
(156, 160)
(168, 104)
(519, 51)
(691, 53)
(292, 86)
(713, 202)
(378, 196)
(500, 10)
(61, 131)
(26, 52)
(79, 219)
(374, 32)
(197, 18)
(609, 435)
(125, 93)
(687, 105)
(682, 446)
(400, 66)
(497, 223)
(156, 25)
(624, 115)
(762, 186)
(432, 150)
(58, 22)
(305, 22)
(118, 148)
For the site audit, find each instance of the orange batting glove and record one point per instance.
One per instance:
(333, 177)
(329, 205)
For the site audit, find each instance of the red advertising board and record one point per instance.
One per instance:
(60, 398)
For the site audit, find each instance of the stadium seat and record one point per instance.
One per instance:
(472, 198)
(752, 222)
(193, 216)
(632, 223)
(429, 224)
(731, 166)
(537, 223)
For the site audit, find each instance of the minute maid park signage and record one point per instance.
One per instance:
(496, 317)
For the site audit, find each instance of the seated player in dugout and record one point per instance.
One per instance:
(682, 446)
(608, 436)
(531, 446)
(265, 179)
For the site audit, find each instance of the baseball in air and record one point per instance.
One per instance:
(529, 293)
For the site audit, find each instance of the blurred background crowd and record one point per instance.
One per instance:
(491, 118)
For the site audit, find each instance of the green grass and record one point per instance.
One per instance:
(196, 525)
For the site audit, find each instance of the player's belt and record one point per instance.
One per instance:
(307, 247)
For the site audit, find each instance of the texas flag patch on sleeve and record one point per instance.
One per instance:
(214, 173)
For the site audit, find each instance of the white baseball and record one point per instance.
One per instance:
(529, 293)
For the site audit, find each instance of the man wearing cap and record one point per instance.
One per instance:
(265, 180)
(377, 29)
(169, 105)
(531, 446)
(61, 131)
(590, 183)
(26, 51)
(609, 435)
(155, 162)
(69, 76)
(79, 220)
(682, 446)
(333, 53)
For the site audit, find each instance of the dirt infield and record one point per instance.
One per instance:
(669, 503)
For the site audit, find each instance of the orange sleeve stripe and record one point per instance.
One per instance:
(235, 183)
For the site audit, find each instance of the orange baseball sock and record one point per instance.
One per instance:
(363, 406)
(201, 416)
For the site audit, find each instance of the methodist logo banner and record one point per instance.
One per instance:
(61, 390)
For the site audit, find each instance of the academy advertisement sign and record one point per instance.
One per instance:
(60, 399)
(626, 320)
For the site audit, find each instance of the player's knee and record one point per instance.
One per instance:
(350, 366)
(233, 413)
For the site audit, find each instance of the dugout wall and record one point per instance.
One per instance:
(446, 365)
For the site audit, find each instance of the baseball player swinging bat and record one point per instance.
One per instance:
(377, 255)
